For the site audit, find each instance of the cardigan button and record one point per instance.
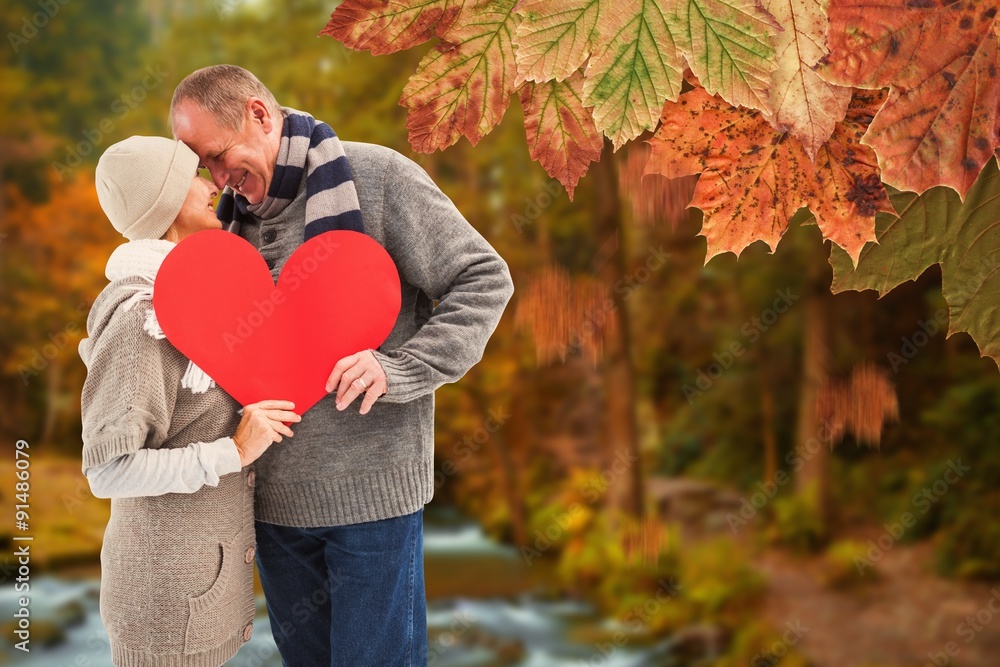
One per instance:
(248, 632)
(251, 478)
(248, 556)
(270, 235)
(270, 265)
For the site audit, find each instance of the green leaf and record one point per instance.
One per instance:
(938, 228)
(560, 131)
(463, 86)
(728, 44)
(555, 37)
(636, 71)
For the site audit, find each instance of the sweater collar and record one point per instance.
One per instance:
(141, 258)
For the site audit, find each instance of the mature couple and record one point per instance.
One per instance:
(333, 516)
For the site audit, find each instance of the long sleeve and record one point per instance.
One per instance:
(125, 403)
(154, 472)
(438, 251)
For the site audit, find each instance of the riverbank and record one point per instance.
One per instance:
(488, 606)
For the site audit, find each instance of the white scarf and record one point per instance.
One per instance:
(142, 258)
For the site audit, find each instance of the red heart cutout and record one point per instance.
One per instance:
(215, 300)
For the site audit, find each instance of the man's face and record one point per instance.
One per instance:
(243, 159)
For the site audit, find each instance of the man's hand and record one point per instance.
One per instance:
(358, 374)
(262, 424)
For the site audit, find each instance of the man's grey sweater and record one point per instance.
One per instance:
(343, 467)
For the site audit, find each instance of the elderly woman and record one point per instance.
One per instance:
(161, 440)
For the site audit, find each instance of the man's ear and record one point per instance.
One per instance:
(260, 114)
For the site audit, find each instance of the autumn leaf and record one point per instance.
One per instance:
(638, 68)
(382, 26)
(849, 191)
(560, 130)
(938, 228)
(753, 178)
(633, 54)
(939, 124)
(728, 44)
(463, 86)
(555, 37)
(804, 104)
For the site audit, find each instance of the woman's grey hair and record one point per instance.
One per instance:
(223, 91)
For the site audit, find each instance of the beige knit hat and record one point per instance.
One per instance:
(142, 183)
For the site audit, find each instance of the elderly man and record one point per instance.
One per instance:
(339, 512)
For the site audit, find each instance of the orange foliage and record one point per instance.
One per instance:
(54, 258)
(644, 541)
(860, 405)
(653, 197)
(564, 312)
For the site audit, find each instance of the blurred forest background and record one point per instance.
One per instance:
(638, 466)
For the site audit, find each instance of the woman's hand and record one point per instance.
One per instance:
(262, 424)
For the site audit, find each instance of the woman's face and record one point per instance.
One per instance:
(198, 211)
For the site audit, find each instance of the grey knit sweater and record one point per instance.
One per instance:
(345, 467)
(176, 569)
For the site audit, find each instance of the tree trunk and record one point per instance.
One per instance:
(625, 492)
(812, 443)
(767, 423)
(509, 477)
(54, 380)
(511, 488)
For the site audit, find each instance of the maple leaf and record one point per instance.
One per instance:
(849, 191)
(643, 44)
(753, 178)
(728, 44)
(804, 104)
(638, 67)
(555, 37)
(382, 26)
(939, 124)
(561, 133)
(463, 86)
(936, 227)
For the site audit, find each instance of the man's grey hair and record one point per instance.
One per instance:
(223, 91)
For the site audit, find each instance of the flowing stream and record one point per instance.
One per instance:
(482, 612)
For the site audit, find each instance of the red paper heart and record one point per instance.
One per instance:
(215, 300)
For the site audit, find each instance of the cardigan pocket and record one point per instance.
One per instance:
(214, 615)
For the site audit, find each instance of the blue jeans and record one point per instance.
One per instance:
(346, 596)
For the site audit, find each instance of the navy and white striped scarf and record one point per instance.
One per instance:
(331, 198)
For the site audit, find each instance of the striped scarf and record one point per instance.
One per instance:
(331, 199)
